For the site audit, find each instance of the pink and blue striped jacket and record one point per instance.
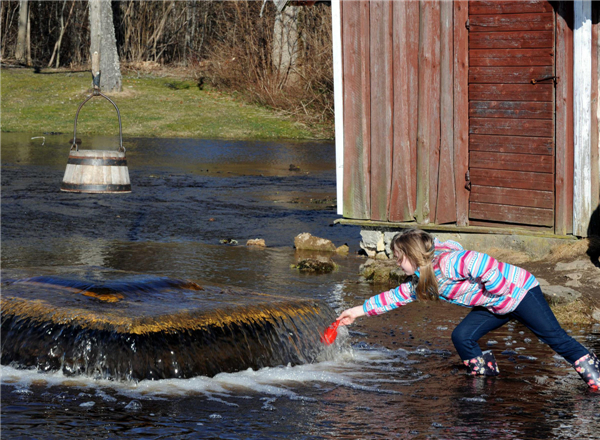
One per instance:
(466, 278)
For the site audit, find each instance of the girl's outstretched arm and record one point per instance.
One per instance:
(348, 316)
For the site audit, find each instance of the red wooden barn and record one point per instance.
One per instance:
(467, 115)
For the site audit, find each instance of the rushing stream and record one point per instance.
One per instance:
(394, 376)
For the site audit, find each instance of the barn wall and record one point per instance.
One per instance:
(399, 86)
(405, 75)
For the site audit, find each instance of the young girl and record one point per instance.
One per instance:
(498, 292)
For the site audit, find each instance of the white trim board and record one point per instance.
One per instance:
(582, 114)
(338, 103)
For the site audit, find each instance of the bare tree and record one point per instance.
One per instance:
(63, 27)
(23, 50)
(103, 41)
(285, 44)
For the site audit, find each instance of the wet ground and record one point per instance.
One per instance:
(394, 376)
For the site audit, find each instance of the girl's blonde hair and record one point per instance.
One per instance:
(418, 247)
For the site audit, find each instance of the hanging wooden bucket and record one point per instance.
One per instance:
(96, 171)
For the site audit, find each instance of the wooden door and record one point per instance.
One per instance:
(511, 113)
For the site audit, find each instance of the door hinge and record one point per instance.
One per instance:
(468, 180)
(468, 24)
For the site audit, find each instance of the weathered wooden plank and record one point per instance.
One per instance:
(365, 51)
(511, 40)
(511, 22)
(511, 109)
(382, 95)
(514, 127)
(446, 194)
(511, 214)
(412, 63)
(512, 196)
(428, 136)
(511, 57)
(512, 144)
(511, 161)
(402, 200)
(564, 119)
(510, 75)
(511, 92)
(512, 179)
(461, 105)
(356, 109)
(509, 7)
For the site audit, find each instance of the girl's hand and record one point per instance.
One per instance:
(348, 316)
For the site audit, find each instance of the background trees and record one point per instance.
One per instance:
(224, 44)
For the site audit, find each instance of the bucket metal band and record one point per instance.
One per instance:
(94, 188)
(76, 187)
(98, 161)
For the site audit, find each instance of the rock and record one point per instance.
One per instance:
(397, 275)
(369, 241)
(343, 249)
(316, 265)
(232, 241)
(376, 241)
(294, 167)
(382, 271)
(387, 238)
(542, 282)
(573, 278)
(259, 242)
(370, 253)
(381, 256)
(307, 242)
(560, 295)
(574, 265)
(596, 314)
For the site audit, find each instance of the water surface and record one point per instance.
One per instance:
(395, 376)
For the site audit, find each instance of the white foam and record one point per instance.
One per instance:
(354, 369)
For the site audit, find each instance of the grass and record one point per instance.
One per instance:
(576, 312)
(150, 107)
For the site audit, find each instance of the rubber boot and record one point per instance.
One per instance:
(484, 365)
(588, 368)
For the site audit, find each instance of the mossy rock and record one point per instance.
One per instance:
(315, 266)
(382, 272)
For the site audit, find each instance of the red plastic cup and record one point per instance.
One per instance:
(330, 333)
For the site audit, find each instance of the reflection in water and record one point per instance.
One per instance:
(394, 376)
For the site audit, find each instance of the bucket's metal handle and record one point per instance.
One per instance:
(96, 92)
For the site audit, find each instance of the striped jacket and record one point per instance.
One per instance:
(466, 278)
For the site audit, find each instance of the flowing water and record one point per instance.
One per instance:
(394, 376)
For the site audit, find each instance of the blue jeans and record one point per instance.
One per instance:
(533, 311)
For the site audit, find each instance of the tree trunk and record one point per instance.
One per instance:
(285, 44)
(28, 42)
(103, 41)
(22, 49)
(63, 26)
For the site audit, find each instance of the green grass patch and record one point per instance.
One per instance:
(149, 106)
